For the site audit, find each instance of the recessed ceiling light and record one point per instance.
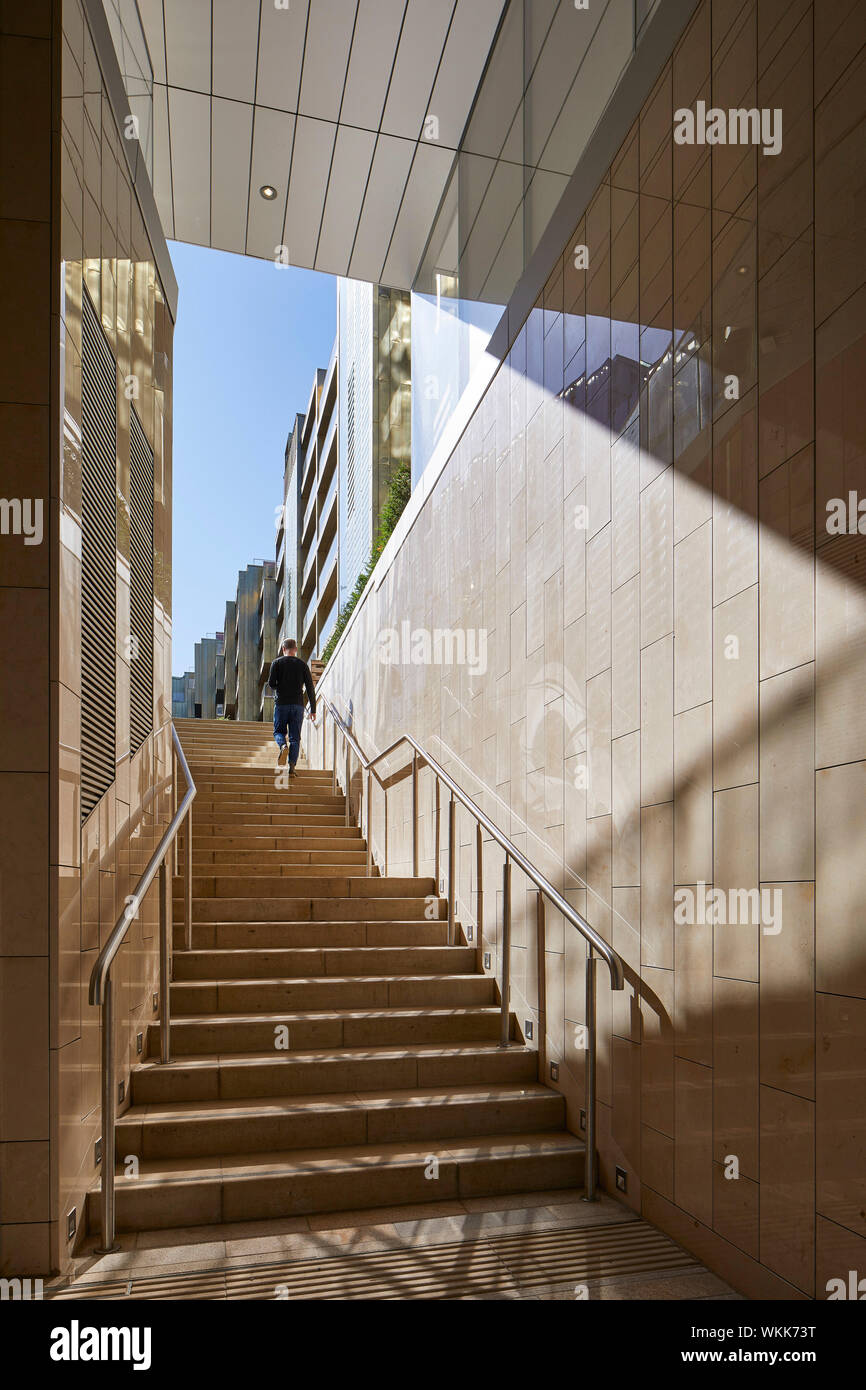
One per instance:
(268, 191)
(741, 269)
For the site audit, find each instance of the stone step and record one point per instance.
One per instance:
(287, 935)
(329, 992)
(256, 861)
(281, 819)
(324, 1071)
(323, 863)
(247, 1187)
(309, 909)
(211, 837)
(319, 1028)
(344, 885)
(193, 1129)
(307, 962)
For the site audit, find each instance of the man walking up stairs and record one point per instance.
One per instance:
(289, 678)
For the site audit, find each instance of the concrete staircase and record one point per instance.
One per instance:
(331, 1051)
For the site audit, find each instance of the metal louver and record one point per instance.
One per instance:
(141, 584)
(98, 560)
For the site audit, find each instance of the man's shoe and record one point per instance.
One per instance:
(291, 769)
(284, 753)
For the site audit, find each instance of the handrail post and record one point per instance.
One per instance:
(174, 848)
(414, 814)
(333, 758)
(479, 896)
(437, 835)
(385, 790)
(540, 943)
(452, 850)
(187, 893)
(108, 1114)
(590, 1160)
(505, 1019)
(164, 970)
(348, 805)
(368, 808)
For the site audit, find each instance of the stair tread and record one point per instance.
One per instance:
(272, 980)
(287, 1015)
(203, 1060)
(382, 1098)
(237, 1167)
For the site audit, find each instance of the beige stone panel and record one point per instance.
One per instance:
(65, 954)
(786, 337)
(576, 781)
(574, 556)
(24, 858)
(787, 990)
(693, 988)
(24, 448)
(657, 1161)
(534, 593)
(66, 717)
(625, 761)
(24, 641)
(598, 871)
(735, 861)
(693, 620)
(840, 1140)
(735, 690)
(693, 1136)
(735, 501)
(788, 1187)
(786, 565)
(693, 795)
(24, 1045)
(787, 775)
(735, 1074)
(838, 1251)
(598, 603)
(840, 710)
(656, 876)
(625, 1111)
(625, 1003)
(69, 578)
(839, 164)
(693, 493)
(625, 659)
(517, 693)
(25, 1190)
(735, 1210)
(598, 744)
(840, 885)
(554, 750)
(657, 1049)
(657, 722)
(657, 559)
(625, 506)
(517, 568)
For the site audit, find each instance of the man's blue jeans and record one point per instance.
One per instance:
(289, 719)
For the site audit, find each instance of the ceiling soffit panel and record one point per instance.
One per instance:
(231, 129)
(377, 32)
(353, 154)
(235, 48)
(421, 43)
(273, 136)
(326, 101)
(281, 55)
(326, 58)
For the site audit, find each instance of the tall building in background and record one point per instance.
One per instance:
(375, 428)
(183, 696)
(209, 675)
(318, 509)
(288, 572)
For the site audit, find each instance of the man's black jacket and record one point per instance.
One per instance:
(289, 675)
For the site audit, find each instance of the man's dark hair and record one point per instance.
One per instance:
(288, 645)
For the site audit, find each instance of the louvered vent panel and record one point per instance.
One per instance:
(141, 584)
(98, 561)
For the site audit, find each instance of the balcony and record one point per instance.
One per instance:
(309, 570)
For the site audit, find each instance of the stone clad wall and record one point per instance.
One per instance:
(664, 649)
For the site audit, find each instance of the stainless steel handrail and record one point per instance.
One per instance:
(100, 991)
(513, 856)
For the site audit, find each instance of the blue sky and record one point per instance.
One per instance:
(248, 339)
